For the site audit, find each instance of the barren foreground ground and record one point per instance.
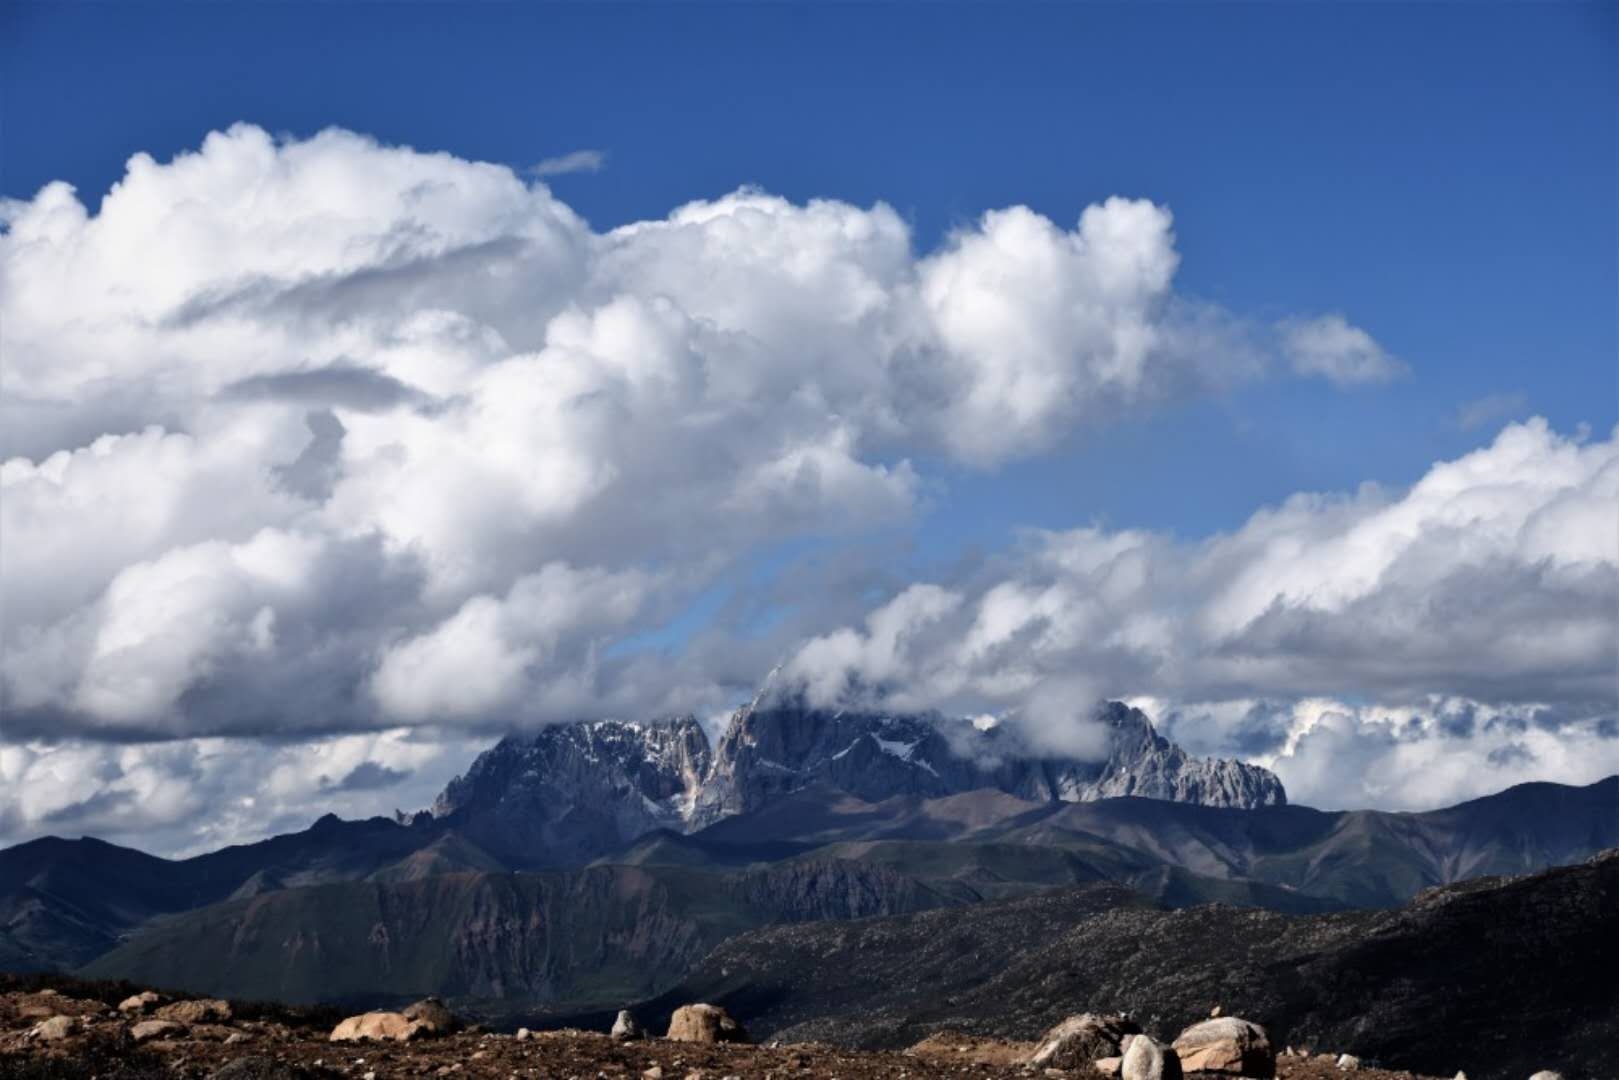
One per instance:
(261, 1048)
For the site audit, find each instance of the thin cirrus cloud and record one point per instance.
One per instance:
(575, 161)
(323, 440)
(1491, 408)
(1330, 348)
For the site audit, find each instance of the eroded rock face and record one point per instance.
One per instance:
(379, 1026)
(702, 1023)
(1228, 1045)
(1148, 1059)
(1080, 1040)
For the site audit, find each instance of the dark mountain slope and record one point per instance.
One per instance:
(1498, 976)
(63, 902)
(599, 934)
(1353, 859)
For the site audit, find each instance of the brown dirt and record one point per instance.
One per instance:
(272, 1050)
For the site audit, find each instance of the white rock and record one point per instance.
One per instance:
(626, 1028)
(1147, 1060)
(57, 1027)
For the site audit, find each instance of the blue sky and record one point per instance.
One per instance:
(467, 548)
(1443, 174)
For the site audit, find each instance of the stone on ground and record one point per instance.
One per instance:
(1148, 1059)
(626, 1028)
(379, 1026)
(1079, 1040)
(197, 1011)
(149, 1030)
(1228, 1045)
(143, 1002)
(432, 1014)
(702, 1023)
(57, 1027)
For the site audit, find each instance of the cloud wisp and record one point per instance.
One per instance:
(575, 161)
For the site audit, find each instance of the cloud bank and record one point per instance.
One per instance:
(323, 443)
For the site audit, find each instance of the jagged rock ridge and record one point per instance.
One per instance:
(574, 792)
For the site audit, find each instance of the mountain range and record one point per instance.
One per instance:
(601, 862)
(577, 791)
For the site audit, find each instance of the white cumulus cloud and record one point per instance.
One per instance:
(314, 440)
(456, 402)
(1494, 579)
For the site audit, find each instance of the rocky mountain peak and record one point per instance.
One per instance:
(570, 792)
(574, 792)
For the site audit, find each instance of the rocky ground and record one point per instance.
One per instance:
(54, 1035)
(1499, 977)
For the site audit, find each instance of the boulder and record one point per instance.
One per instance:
(1547, 1074)
(1348, 1062)
(702, 1023)
(626, 1028)
(1080, 1040)
(57, 1027)
(1226, 1045)
(197, 1011)
(433, 1015)
(151, 1030)
(141, 1003)
(1148, 1059)
(379, 1026)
